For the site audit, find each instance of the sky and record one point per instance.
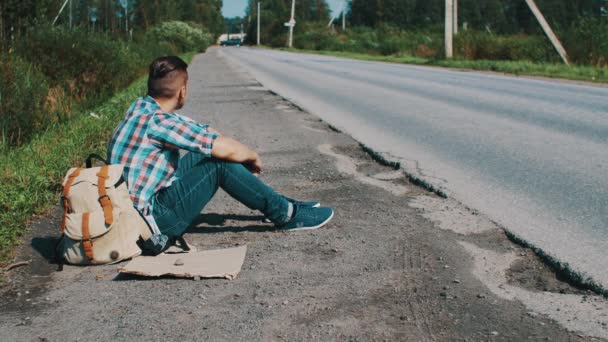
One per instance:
(236, 8)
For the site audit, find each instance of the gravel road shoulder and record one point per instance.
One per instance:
(396, 263)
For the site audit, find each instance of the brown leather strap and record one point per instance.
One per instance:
(86, 237)
(104, 200)
(64, 197)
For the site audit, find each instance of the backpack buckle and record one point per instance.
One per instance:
(104, 197)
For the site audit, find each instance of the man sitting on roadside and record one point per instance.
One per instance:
(170, 191)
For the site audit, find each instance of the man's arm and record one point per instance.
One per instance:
(229, 149)
(173, 132)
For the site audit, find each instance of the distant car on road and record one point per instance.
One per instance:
(231, 42)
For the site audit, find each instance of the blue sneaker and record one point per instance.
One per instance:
(313, 204)
(306, 218)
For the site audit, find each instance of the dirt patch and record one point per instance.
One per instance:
(529, 272)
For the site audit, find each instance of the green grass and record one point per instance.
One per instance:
(573, 72)
(31, 175)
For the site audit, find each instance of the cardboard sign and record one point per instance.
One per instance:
(221, 263)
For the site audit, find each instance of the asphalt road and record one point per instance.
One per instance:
(530, 154)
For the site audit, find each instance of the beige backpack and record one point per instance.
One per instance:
(100, 224)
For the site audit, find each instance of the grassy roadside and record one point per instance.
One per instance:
(31, 175)
(573, 72)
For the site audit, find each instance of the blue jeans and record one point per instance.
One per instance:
(198, 179)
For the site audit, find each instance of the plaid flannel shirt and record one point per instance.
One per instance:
(147, 143)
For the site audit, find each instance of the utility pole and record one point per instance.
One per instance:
(455, 17)
(259, 22)
(548, 31)
(60, 10)
(292, 22)
(449, 28)
(106, 15)
(1, 31)
(343, 12)
(127, 17)
(343, 15)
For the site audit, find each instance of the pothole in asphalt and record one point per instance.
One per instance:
(529, 272)
(349, 160)
(513, 272)
(584, 313)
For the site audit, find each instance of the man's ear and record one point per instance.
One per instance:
(183, 92)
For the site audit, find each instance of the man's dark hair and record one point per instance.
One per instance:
(164, 72)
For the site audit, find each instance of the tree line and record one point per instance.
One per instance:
(493, 16)
(500, 16)
(18, 16)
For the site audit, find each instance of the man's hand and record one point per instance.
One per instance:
(254, 165)
(228, 149)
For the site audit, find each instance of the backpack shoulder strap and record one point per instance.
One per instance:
(104, 199)
(89, 161)
(64, 197)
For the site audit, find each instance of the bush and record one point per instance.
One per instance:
(57, 70)
(471, 45)
(23, 93)
(181, 36)
(81, 63)
(587, 41)
(474, 45)
(385, 40)
(315, 38)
